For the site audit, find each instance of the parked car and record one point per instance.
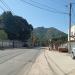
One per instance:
(63, 49)
(73, 53)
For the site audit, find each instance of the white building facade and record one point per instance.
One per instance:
(72, 38)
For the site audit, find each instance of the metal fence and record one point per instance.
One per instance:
(11, 44)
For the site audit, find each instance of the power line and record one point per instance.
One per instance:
(57, 1)
(73, 11)
(73, 15)
(6, 6)
(73, 3)
(2, 8)
(43, 8)
(46, 6)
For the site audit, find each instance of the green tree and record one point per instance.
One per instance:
(3, 35)
(16, 27)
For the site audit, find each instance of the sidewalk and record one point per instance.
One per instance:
(40, 67)
(61, 62)
(53, 63)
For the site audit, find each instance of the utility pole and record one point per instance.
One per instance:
(70, 10)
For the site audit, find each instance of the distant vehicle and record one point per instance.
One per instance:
(63, 48)
(73, 53)
(72, 49)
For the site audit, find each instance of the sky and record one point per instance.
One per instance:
(42, 18)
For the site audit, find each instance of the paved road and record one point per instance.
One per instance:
(17, 61)
(61, 63)
(53, 63)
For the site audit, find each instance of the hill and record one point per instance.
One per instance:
(48, 33)
(44, 34)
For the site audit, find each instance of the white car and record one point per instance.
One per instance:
(73, 53)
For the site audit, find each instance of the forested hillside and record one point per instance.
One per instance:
(43, 35)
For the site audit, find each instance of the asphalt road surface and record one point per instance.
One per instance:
(17, 61)
(38, 61)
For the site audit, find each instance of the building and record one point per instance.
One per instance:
(73, 33)
(72, 37)
(71, 44)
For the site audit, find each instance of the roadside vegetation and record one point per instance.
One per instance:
(44, 36)
(13, 27)
(3, 35)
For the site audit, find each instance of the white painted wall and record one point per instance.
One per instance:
(72, 32)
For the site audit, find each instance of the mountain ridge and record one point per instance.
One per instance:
(48, 33)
